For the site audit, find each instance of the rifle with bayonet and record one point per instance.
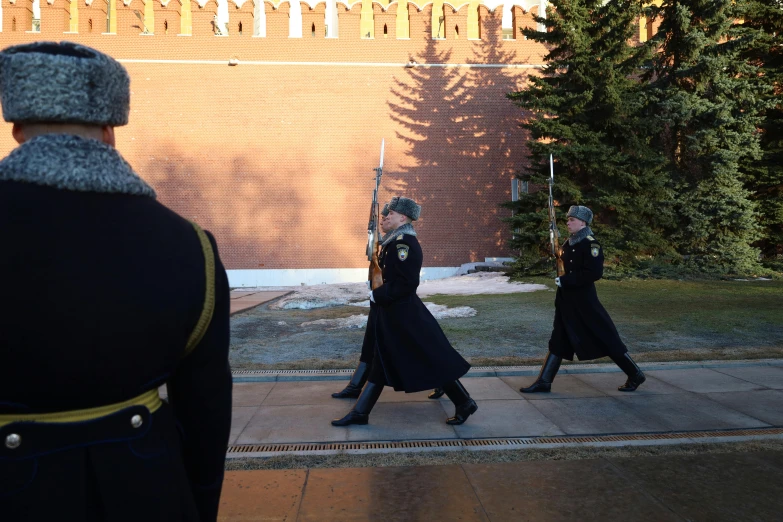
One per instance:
(375, 275)
(554, 233)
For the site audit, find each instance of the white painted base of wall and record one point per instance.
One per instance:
(317, 276)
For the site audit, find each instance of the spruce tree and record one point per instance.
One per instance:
(585, 110)
(706, 112)
(760, 22)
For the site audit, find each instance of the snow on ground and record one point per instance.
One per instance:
(322, 296)
(359, 321)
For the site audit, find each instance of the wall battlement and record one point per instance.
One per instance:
(364, 19)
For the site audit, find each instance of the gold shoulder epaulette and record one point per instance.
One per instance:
(591, 238)
(399, 238)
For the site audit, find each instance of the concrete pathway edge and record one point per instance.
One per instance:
(498, 371)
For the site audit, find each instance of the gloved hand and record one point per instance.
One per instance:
(372, 299)
(557, 282)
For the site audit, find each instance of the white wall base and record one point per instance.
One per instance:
(317, 276)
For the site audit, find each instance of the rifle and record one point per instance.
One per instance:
(554, 233)
(375, 275)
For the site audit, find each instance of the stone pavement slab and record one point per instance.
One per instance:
(569, 491)
(504, 418)
(765, 405)
(488, 388)
(711, 488)
(401, 421)
(580, 404)
(708, 487)
(243, 300)
(767, 376)
(566, 387)
(596, 415)
(304, 393)
(689, 412)
(261, 495)
(703, 380)
(251, 394)
(608, 383)
(390, 494)
(294, 423)
(240, 416)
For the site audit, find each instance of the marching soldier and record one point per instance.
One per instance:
(107, 295)
(359, 377)
(411, 351)
(582, 326)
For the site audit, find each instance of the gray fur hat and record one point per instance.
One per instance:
(50, 82)
(385, 211)
(580, 212)
(406, 207)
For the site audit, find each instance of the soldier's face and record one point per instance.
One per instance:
(392, 221)
(575, 225)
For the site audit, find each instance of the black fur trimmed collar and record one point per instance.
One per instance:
(579, 235)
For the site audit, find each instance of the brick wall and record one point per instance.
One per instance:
(276, 158)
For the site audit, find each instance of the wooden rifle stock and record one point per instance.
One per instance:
(376, 274)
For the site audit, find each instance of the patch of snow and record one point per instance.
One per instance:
(354, 321)
(474, 284)
(355, 294)
(360, 321)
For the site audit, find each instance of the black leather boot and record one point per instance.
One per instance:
(465, 406)
(437, 393)
(354, 388)
(546, 376)
(634, 373)
(360, 413)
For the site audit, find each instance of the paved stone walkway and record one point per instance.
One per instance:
(722, 397)
(242, 300)
(708, 487)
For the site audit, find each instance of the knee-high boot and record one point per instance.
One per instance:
(360, 413)
(465, 406)
(356, 383)
(546, 376)
(634, 373)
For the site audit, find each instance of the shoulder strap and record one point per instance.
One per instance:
(209, 294)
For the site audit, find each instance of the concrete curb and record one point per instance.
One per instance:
(497, 371)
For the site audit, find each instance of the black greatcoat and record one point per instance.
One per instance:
(100, 292)
(582, 326)
(413, 350)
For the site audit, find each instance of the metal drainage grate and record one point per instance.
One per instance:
(344, 446)
(285, 372)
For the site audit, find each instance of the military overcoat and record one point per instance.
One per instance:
(413, 350)
(582, 326)
(102, 286)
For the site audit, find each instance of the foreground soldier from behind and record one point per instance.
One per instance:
(411, 352)
(582, 326)
(107, 295)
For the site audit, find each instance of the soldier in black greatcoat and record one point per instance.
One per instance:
(106, 296)
(411, 351)
(359, 377)
(582, 326)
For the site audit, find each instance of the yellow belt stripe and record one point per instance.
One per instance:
(209, 294)
(150, 399)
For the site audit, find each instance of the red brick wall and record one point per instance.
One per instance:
(276, 160)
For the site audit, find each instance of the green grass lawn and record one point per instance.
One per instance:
(658, 319)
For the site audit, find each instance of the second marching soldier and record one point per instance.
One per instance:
(411, 351)
(582, 326)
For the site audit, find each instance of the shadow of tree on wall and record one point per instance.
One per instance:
(464, 145)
